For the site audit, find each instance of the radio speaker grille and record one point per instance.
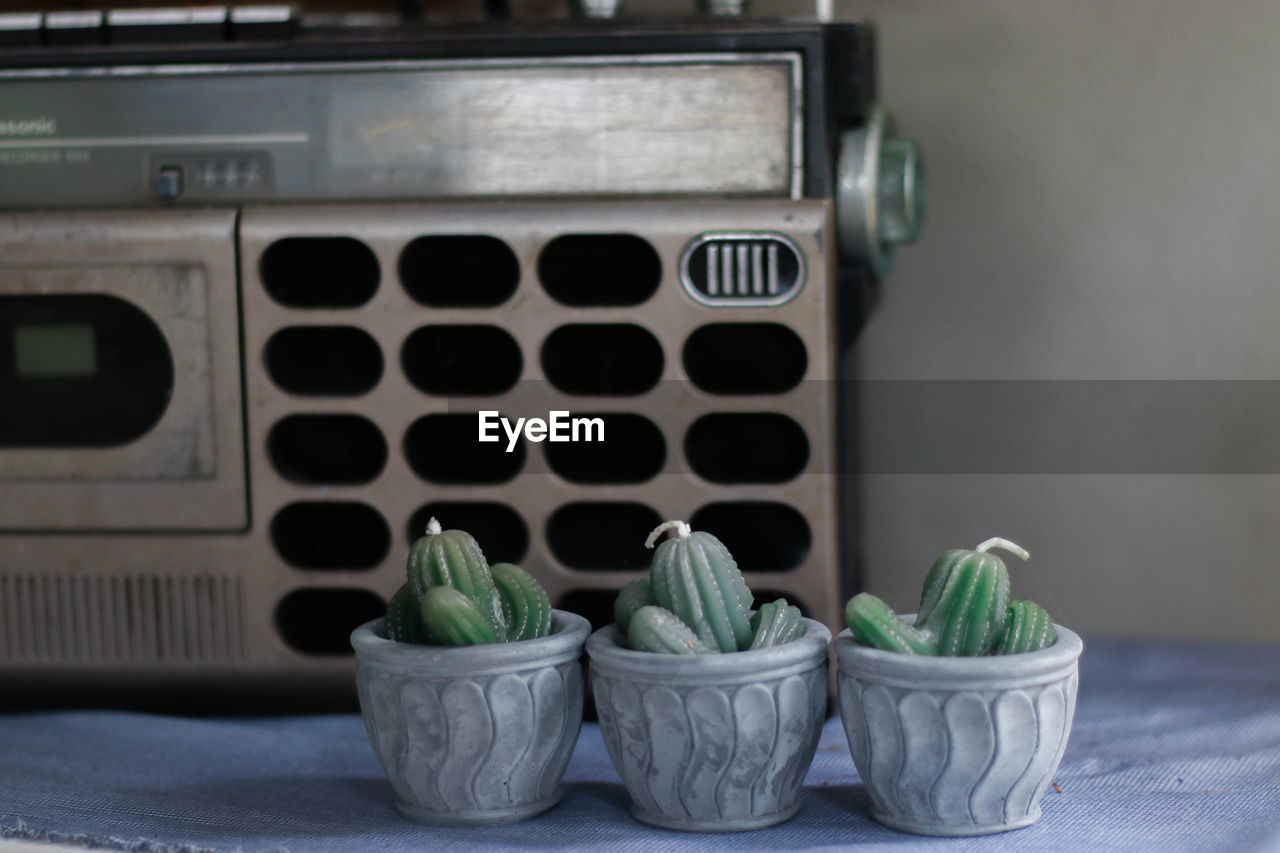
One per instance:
(718, 415)
(126, 619)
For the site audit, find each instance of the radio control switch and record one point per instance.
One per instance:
(19, 29)
(166, 26)
(72, 29)
(250, 23)
(168, 182)
(879, 193)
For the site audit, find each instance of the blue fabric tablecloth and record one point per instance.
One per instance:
(1175, 747)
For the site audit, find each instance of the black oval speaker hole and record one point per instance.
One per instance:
(745, 358)
(461, 360)
(633, 449)
(751, 447)
(324, 361)
(327, 449)
(602, 536)
(764, 596)
(319, 272)
(588, 270)
(320, 621)
(330, 535)
(459, 271)
(447, 449)
(595, 605)
(498, 529)
(762, 536)
(607, 359)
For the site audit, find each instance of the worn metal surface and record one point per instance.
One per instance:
(665, 125)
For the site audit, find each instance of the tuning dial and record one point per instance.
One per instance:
(879, 192)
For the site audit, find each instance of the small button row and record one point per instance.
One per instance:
(147, 26)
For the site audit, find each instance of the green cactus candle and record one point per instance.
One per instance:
(695, 601)
(656, 629)
(453, 558)
(1027, 627)
(964, 611)
(454, 597)
(695, 577)
(964, 599)
(775, 623)
(455, 618)
(404, 618)
(634, 595)
(524, 602)
(873, 623)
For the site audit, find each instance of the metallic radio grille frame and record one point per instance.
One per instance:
(530, 317)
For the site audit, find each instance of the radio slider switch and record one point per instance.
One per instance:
(263, 23)
(71, 29)
(19, 29)
(163, 26)
(168, 182)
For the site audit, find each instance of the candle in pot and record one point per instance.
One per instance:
(964, 611)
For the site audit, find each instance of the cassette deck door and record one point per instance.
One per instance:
(120, 402)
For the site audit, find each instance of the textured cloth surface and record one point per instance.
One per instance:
(1175, 747)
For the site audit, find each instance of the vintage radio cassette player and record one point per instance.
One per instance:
(259, 280)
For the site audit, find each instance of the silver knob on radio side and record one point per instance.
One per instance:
(879, 192)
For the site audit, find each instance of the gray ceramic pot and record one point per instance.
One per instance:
(475, 734)
(712, 742)
(957, 746)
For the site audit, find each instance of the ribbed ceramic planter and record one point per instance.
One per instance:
(474, 734)
(957, 745)
(712, 742)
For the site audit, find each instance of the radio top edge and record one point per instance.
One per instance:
(208, 25)
(229, 104)
(838, 58)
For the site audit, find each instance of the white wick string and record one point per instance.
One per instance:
(682, 530)
(1011, 547)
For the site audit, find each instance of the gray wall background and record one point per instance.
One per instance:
(1104, 204)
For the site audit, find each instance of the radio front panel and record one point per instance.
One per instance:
(259, 301)
(372, 338)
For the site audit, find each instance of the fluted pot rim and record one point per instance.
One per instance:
(607, 652)
(568, 632)
(853, 658)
